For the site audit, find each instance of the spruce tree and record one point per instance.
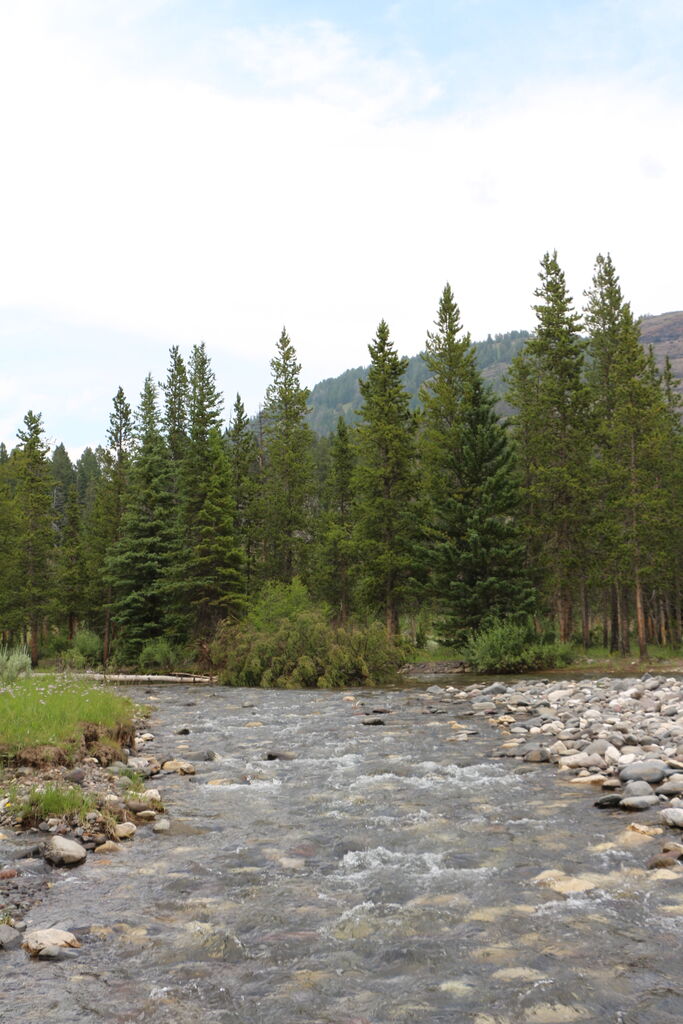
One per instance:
(138, 561)
(245, 466)
(552, 430)
(9, 550)
(205, 581)
(34, 537)
(336, 552)
(287, 486)
(103, 516)
(70, 573)
(473, 548)
(385, 484)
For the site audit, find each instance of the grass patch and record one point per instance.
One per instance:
(54, 801)
(48, 720)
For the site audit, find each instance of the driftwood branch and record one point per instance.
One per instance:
(110, 677)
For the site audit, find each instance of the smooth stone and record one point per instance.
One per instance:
(661, 860)
(539, 756)
(64, 852)
(10, 938)
(42, 938)
(280, 755)
(77, 775)
(125, 830)
(638, 788)
(162, 825)
(611, 800)
(670, 788)
(639, 803)
(652, 770)
(107, 847)
(672, 816)
(179, 766)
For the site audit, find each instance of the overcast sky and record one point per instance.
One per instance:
(176, 171)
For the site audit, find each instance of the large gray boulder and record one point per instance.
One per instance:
(63, 852)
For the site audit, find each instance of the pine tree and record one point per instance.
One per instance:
(385, 484)
(103, 517)
(33, 504)
(70, 574)
(9, 550)
(138, 562)
(473, 547)
(206, 581)
(288, 469)
(245, 465)
(335, 557)
(552, 431)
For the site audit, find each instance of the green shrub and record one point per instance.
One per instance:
(158, 653)
(14, 663)
(89, 646)
(287, 641)
(507, 646)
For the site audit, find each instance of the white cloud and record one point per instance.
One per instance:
(170, 209)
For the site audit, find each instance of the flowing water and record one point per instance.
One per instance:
(386, 874)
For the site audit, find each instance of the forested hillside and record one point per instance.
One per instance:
(340, 396)
(187, 536)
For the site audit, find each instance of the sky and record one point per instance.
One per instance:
(179, 171)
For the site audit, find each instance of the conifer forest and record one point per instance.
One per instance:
(441, 522)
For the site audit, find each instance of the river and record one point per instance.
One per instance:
(385, 875)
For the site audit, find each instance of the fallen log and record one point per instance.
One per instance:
(121, 677)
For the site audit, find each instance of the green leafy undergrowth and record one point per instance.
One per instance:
(47, 719)
(288, 641)
(507, 646)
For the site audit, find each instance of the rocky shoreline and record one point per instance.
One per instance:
(123, 804)
(621, 739)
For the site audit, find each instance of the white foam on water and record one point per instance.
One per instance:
(358, 863)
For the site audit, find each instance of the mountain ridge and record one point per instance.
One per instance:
(340, 395)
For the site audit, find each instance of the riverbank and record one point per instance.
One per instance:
(619, 739)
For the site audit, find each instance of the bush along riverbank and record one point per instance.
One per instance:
(74, 783)
(620, 739)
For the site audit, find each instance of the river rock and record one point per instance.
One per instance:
(280, 755)
(125, 830)
(652, 770)
(637, 788)
(162, 825)
(179, 766)
(672, 816)
(36, 941)
(108, 846)
(77, 775)
(63, 852)
(10, 938)
(610, 800)
(540, 755)
(639, 803)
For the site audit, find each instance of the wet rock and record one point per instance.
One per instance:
(672, 816)
(637, 788)
(179, 766)
(184, 731)
(10, 938)
(662, 860)
(372, 721)
(611, 800)
(538, 756)
(108, 846)
(162, 825)
(46, 938)
(652, 770)
(63, 852)
(125, 830)
(280, 755)
(639, 803)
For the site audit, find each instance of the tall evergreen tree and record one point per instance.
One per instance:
(552, 429)
(385, 484)
(245, 465)
(33, 503)
(334, 563)
(288, 469)
(138, 562)
(69, 597)
(9, 550)
(206, 579)
(103, 517)
(473, 548)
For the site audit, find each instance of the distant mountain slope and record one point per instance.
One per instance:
(340, 396)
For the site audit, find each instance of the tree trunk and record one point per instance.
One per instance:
(34, 634)
(585, 616)
(640, 618)
(614, 644)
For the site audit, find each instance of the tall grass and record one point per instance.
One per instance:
(46, 711)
